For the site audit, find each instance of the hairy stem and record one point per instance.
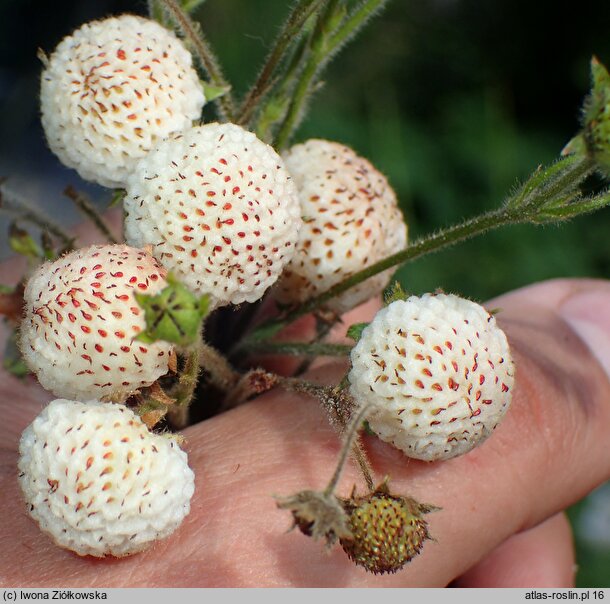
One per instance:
(339, 406)
(355, 21)
(84, 204)
(325, 42)
(351, 433)
(275, 106)
(432, 243)
(204, 54)
(290, 31)
(221, 373)
(363, 464)
(184, 390)
(305, 349)
(297, 104)
(255, 381)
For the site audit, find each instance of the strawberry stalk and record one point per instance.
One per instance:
(549, 195)
(204, 53)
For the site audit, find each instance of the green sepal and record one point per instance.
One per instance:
(394, 293)
(576, 146)
(355, 331)
(212, 92)
(173, 315)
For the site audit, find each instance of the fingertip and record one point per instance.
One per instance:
(588, 313)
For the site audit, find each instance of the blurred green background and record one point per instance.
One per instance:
(455, 100)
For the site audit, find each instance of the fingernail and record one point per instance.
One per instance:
(588, 313)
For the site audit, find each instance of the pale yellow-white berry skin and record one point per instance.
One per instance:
(351, 220)
(81, 319)
(219, 209)
(112, 90)
(437, 372)
(98, 482)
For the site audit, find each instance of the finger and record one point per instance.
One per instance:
(550, 450)
(542, 556)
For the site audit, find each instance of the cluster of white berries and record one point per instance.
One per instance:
(211, 203)
(232, 219)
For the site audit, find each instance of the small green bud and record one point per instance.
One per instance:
(174, 314)
(594, 140)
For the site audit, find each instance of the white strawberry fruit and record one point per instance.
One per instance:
(351, 220)
(219, 209)
(112, 90)
(98, 482)
(437, 373)
(81, 320)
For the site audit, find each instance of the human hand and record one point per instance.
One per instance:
(500, 522)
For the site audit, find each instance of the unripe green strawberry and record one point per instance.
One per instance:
(387, 530)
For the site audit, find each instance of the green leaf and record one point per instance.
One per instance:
(355, 331)
(543, 180)
(6, 289)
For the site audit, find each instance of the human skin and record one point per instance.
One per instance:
(500, 524)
